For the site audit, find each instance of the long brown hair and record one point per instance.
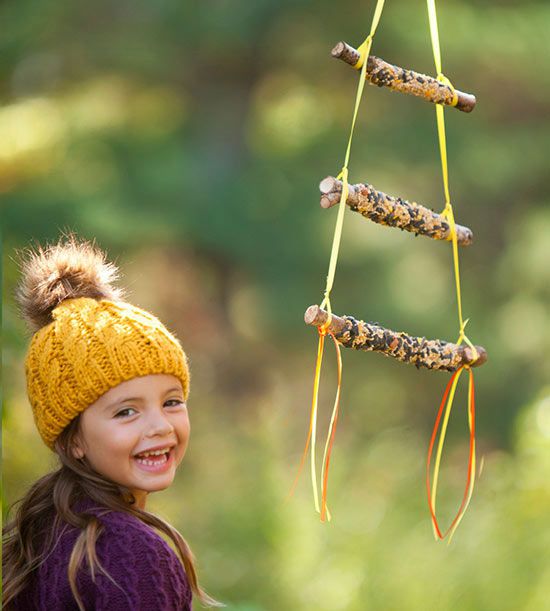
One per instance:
(47, 509)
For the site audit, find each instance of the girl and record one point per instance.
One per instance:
(108, 386)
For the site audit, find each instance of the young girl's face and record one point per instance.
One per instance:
(145, 414)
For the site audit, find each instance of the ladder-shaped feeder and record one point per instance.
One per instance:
(414, 218)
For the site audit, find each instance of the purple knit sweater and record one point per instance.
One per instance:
(148, 574)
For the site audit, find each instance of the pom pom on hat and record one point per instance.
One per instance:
(66, 270)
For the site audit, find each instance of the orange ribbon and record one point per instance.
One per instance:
(311, 437)
(432, 488)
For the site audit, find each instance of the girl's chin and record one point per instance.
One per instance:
(144, 486)
(152, 483)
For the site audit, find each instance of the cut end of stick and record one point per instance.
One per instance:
(346, 53)
(469, 356)
(328, 184)
(338, 49)
(466, 101)
(331, 190)
(314, 316)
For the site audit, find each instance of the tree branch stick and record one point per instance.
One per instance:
(392, 211)
(431, 354)
(383, 74)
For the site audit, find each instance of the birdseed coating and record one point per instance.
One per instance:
(383, 74)
(408, 216)
(418, 351)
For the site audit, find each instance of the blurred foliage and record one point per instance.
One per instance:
(189, 138)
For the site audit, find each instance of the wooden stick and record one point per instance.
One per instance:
(392, 211)
(382, 74)
(431, 354)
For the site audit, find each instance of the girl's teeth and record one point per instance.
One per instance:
(161, 459)
(155, 453)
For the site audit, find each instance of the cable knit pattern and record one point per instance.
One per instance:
(148, 574)
(90, 347)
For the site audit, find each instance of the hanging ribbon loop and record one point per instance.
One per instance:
(431, 486)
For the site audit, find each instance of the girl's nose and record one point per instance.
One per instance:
(159, 426)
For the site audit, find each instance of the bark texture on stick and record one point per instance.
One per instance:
(392, 211)
(383, 74)
(419, 351)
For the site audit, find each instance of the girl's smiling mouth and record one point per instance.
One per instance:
(157, 461)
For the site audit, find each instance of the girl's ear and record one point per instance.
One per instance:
(78, 453)
(76, 449)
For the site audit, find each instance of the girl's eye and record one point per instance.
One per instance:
(123, 412)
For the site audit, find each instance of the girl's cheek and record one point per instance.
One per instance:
(182, 425)
(180, 453)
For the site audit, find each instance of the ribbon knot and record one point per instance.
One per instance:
(443, 79)
(363, 50)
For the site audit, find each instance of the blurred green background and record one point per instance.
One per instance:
(189, 138)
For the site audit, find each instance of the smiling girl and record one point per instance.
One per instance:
(108, 385)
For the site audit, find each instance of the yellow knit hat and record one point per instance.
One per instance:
(92, 344)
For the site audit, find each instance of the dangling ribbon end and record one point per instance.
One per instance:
(481, 465)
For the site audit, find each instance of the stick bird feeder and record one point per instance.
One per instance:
(393, 211)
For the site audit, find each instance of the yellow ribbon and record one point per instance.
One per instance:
(364, 50)
(448, 210)
(448, 214)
